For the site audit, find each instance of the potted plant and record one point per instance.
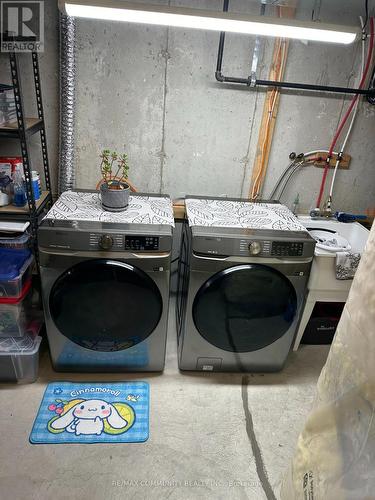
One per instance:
(114, 190)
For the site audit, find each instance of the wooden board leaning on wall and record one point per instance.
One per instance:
(271, 106)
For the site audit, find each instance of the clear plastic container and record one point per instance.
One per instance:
(17, 242)
(19, 359)
(19, 192)
(14, 277)
(14, 313)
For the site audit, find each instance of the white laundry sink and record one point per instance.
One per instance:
(323, 272)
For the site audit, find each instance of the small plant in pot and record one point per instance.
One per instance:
(114, 190)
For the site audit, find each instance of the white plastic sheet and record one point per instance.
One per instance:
(335, 455)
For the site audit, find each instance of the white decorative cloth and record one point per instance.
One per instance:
(346, 265)
(74, 205)
(228, 213)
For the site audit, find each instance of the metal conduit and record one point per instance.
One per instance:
(254, 82)
(66, 178)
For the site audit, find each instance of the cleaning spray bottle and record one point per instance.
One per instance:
(19, 193)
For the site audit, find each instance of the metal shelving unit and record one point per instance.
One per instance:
(21, 130)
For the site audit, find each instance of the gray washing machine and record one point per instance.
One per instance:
(105, 289)
(240, 295)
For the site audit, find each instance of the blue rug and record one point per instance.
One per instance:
(93, 412)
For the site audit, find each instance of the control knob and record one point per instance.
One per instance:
(106, 242)
(255, 248)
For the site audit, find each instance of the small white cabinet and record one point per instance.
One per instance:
(323, 285)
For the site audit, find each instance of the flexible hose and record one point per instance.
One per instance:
(306, 159)
(67, 75)
(280, 179)
(294, 170)
(317, 151)
(353, 117)
(347, 114)
(296, 167)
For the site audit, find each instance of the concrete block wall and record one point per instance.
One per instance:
(151, 91)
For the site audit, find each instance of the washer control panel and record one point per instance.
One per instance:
(287, 249)
(259, 248)
(255, 247)
(254, 244)
(106, 241)
(269, 248)
(113, 241)
(141, 242)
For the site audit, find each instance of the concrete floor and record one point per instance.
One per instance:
(212, 436)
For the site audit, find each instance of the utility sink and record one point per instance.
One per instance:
(323, 275)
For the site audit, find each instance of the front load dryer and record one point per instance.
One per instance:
(243, 273)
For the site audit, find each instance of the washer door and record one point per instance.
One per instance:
(105, 305)
(245, 308)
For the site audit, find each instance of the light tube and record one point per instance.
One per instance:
(117, 10)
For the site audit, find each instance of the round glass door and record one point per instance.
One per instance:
(105, 305)
(244, 308)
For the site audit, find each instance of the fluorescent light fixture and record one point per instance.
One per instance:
(118, 10)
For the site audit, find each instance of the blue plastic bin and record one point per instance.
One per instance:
(15, 270)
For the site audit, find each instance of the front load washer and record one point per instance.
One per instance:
(241, 288)
(105, 283)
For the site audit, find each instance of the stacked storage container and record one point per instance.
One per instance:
(19, 347)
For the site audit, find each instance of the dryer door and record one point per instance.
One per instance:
(245, 308)
(105, 305)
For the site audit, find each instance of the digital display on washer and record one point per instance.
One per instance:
(141, 243)
(287, 248)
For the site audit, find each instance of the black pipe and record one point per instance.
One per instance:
(292, 85)
(220, 54)
(371, 97)
(307, 86)
(370, 93)
(221, 43)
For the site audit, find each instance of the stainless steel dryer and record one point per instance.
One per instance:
(240, 296)
(105, 292)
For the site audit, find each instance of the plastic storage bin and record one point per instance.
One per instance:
(16, 241)
(19, 359)
(15, 270)
(14, 313)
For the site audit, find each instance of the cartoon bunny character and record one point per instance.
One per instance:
(87, 417)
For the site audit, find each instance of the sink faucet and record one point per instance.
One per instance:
(316, 213)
